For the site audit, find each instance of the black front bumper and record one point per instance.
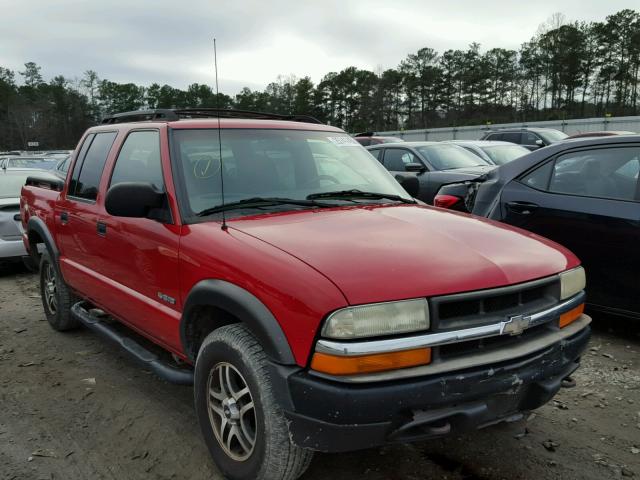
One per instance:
(333, 417)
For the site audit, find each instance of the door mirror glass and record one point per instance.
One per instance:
(135, 200)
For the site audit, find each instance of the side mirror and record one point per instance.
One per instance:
(539, 143)
(411, 184)
(134, 200)
(414, 167)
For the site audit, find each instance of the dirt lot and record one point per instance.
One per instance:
(74, 407)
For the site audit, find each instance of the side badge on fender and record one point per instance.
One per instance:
(166, 298)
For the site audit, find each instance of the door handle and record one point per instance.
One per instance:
(522, 208)
(64, 218)
(102, 228)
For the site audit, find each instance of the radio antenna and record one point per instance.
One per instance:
(215, 63)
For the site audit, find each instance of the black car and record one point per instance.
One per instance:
(530, 138)
(585, 195)
(433, 164)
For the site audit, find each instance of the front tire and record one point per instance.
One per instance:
(56, 297)
(243, 426)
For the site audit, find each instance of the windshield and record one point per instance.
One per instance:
(552, 135)
(10, 185)
(501, 154)
(448, 157)
(291, 164)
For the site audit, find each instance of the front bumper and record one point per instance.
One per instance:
(12, 248)
(330, 416)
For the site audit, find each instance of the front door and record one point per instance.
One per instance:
(589, 201)
(140, 255)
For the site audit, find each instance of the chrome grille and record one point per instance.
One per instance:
(484, 307)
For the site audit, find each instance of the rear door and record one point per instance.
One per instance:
(589, 201)
(77, 215)
(493, 136)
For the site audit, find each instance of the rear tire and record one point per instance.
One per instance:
(57, 300)
(243, 426)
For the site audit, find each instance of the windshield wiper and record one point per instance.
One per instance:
(258, 202)
(355, 193)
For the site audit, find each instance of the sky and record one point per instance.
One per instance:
(147, 41)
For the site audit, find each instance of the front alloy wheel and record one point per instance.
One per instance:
(243, 425)
(231, 411)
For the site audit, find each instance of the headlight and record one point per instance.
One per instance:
(572, 282)
(378, 319)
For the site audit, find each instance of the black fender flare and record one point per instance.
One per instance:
(243, 305)
(36, 224)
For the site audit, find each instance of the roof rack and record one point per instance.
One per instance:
(174, 114)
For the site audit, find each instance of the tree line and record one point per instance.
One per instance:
(567, 70)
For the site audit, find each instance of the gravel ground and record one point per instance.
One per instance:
(75, 407)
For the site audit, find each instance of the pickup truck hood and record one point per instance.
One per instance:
(381, 253)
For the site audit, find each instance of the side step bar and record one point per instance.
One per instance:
(146, 357)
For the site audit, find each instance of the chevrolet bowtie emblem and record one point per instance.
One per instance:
(515, 325)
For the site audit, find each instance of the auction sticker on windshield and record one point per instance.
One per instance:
(343, 141)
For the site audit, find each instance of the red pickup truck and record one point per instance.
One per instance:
(312, 303)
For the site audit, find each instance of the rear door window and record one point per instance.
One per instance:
(78, 163)
(539, 178)
(86, 184)
(513, 137)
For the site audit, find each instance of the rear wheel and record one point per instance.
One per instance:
(243, 425)
(56, 297)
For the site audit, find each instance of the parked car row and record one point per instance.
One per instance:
(15, 167)
(582, 192)
(529, 138)
(430, 164)
(11, 245)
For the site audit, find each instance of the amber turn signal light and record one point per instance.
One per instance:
(571, 315)
(379, 362)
